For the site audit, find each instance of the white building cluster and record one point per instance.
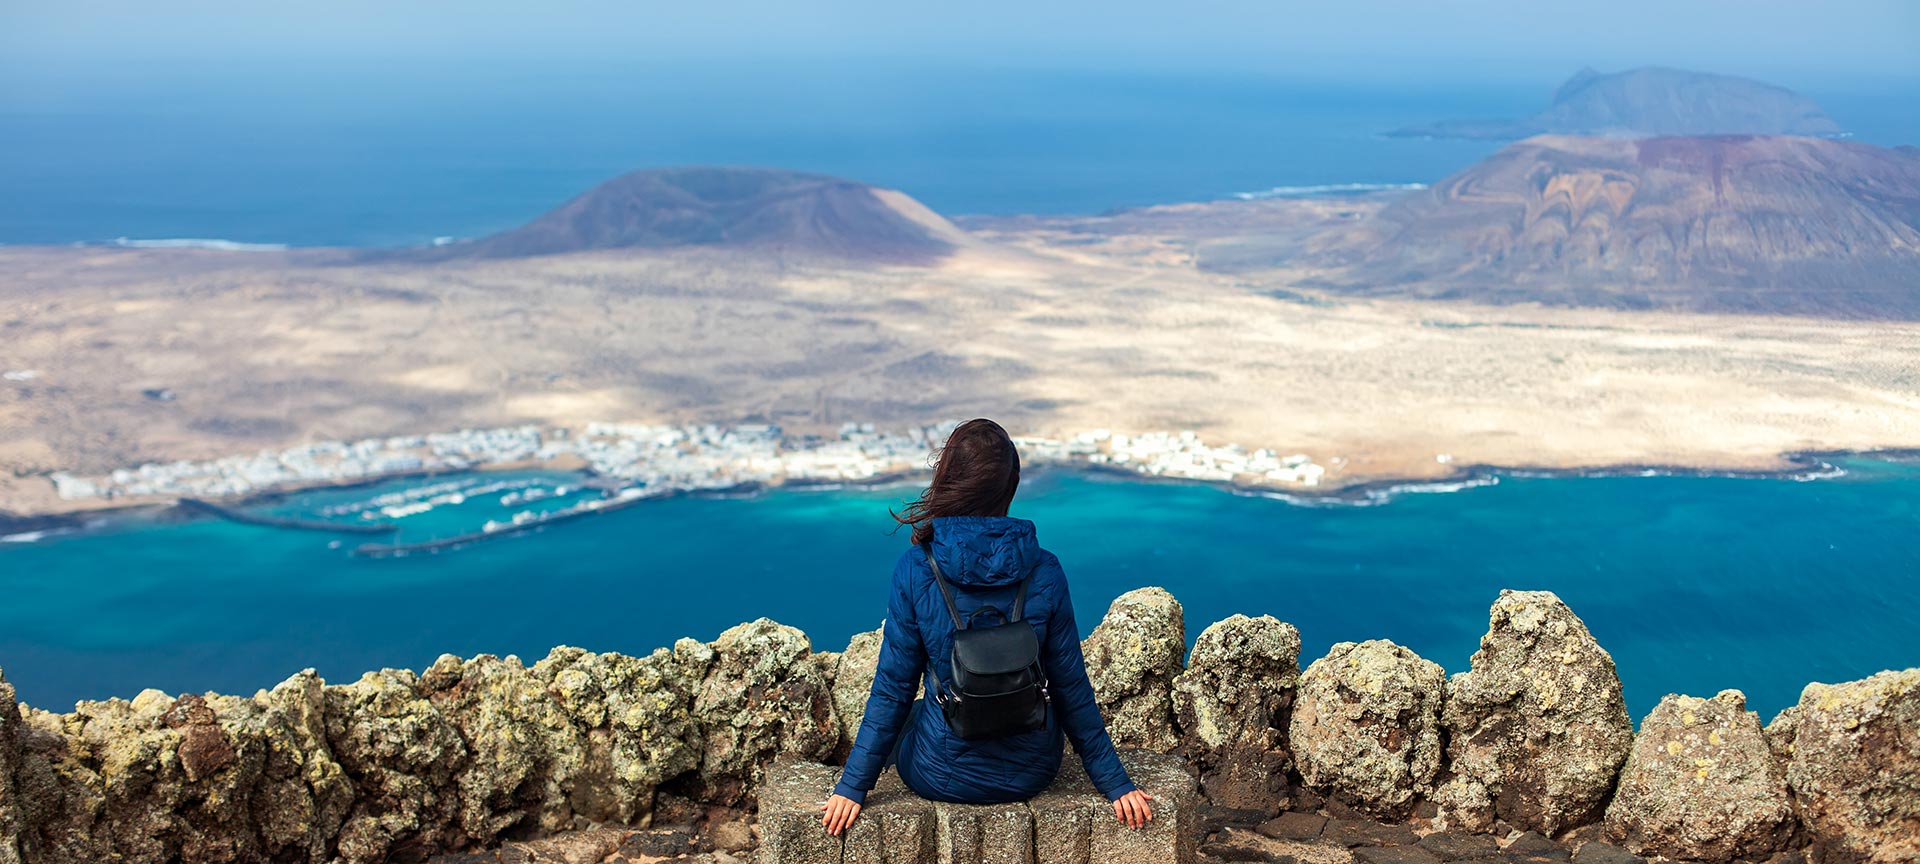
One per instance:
(1184, 455)
(658, 458)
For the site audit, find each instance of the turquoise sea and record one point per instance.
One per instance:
(1694, 584)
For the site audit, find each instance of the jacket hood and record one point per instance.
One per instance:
(985, 551)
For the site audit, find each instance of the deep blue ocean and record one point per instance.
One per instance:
(384, 154)
(1694, 584)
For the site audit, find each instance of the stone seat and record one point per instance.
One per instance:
(1070, 823)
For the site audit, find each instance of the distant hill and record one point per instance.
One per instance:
(1653, 101)
(1729, 223)
(747, 208)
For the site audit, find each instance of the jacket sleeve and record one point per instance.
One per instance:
(895, 683)
(1073, 698)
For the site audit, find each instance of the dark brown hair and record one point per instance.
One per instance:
(976, 475)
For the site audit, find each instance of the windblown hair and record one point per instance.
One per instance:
(976, 475)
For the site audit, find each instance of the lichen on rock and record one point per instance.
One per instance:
(402, 754)
(853, 671)
(1855, 768)
(309, 793)
(1231, 707)
(1701, 783)
(636, 715)
(525, 754)
(1780, 732)
(190, 779)
(763, 697)
(1132, 658)
(9, 749)
(1366, 726)
(1537, 727)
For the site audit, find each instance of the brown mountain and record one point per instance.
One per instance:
(1653, 100)
(763, 209)
(1731, 223)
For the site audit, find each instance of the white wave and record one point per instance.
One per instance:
(27, 537)
(1371, 497)
(1392, 492)
(1308, 500)
(196, 243)
(1327, 189)
(1824, 472)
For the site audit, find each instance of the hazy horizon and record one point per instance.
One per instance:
(1797, 45)
(366, 123)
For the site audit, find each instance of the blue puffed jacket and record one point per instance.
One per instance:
(984, 557)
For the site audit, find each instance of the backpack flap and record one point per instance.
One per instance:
(999, 650)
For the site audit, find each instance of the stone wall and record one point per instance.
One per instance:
(468, 753)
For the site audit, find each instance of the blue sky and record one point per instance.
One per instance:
(1825, 42)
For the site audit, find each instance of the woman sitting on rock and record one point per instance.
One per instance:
(993, 731)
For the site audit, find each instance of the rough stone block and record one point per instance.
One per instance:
(1454, 846)
(1293, 826)
(1070, 823)
(1366, 832)
(1394, 855)
(984, 833)
(895, 827)
(1063, 820)
(790, 799)
(1170, 837)
(1598, 852)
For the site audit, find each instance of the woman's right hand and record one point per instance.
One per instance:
(1133, 809)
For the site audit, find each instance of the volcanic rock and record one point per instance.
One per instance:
(764, 697)
(1701, 784)
(402, 754)
(637, 713)
(1855, 771)
(853, 673)
(1538, 727)
(9, 748)
(1366, 726)
(1132, 658)
(1231, 707)
(526, 755)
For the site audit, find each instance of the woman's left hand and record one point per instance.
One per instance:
(840, 811)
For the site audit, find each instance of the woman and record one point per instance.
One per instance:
(962, 521)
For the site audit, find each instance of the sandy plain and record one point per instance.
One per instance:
(1053, 325)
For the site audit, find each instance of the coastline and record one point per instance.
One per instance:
(170, 509)
(1802, 465)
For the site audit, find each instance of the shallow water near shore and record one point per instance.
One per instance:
(1695, 584)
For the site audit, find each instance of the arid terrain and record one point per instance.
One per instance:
(1049, 324)
(1724, 224)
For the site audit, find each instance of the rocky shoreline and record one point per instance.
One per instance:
(1533, 740)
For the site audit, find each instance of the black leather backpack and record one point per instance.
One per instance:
(999, 687)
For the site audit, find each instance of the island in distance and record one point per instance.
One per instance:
(723, 296)
(1652, 100)
(741, 208)
(1739, 224)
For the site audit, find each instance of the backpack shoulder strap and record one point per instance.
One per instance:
(1020, 599)
(946, 592)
